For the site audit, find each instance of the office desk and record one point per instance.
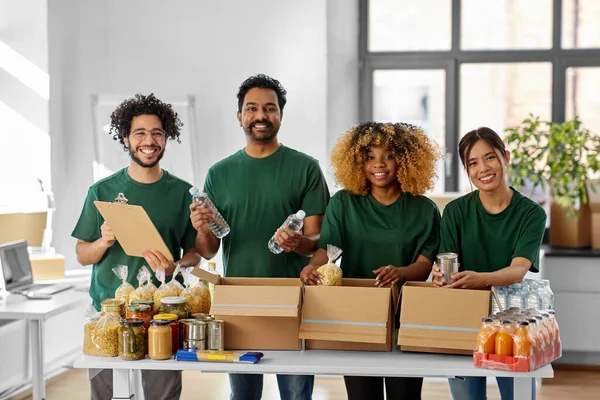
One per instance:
(319, 362)
(37, 312)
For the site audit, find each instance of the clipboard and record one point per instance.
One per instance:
(132, 228)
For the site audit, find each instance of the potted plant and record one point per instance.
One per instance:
(561, 157)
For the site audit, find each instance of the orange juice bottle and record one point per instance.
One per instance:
(550, 328)
(554, 324)
(504, 340)
(543, 331)
(486, 337)
(538, 343)
(522, 343)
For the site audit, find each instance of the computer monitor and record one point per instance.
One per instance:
(16, 267)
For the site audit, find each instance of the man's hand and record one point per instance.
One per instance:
(108, 237)
(157, 261)
(388, 276)
(468, 280)
(437, 276)
(287, 239)
(310, 276)
(200, 217)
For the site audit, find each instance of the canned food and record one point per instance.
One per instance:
(448, 265)
(193, 345)
(203, 316)
(216, 335)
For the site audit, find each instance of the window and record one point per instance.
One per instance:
(478, 63)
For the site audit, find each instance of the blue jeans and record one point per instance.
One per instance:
(475, 388)
(291, 387)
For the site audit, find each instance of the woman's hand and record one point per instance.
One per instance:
(388, 276)
(310, 276)
(469, 280)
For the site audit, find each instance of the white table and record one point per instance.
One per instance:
(15, 306)
(319, 362)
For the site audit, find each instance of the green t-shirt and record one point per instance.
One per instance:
(488, 242)
(372, 235)
(255, 196)
(167, 204)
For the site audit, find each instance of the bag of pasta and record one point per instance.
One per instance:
(150, 286)
(142, 292)
(175, 287)
(162, 291)
(195, 296)
(125, 288)
(101, 331)
(331, 274)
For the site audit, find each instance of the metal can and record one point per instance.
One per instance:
(191, 329)
(203, 316)
(448, 265)
(193, 345)
(216, 335)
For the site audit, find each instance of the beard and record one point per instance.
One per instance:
(144, 165)
(263, 138)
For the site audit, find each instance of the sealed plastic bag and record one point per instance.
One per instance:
(164, 290)
(174, 286)
(331, 274)
(150, 286)
(101, 337)
(142, 292)
(195, 295)
(125, 288)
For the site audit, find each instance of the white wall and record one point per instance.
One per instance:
(204, 49)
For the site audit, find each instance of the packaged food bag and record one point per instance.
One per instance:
(175, 287)
(142, 292)
(150, 286)
(101, 337)
(162, 291)
(331, 274)
(194, 294)
(125, 288)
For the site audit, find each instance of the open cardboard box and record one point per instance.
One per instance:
(354, 316)
(259, 313)
(436, 320)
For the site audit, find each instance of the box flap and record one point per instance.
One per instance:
(206, 276)
(257, 301)
(358, 312)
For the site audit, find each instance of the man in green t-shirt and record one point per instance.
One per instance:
(255, 190)
(143, 125)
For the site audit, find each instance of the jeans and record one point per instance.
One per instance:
(371, 388)
(291, 387)
(474, 388)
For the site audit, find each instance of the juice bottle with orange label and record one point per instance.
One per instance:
(537, 340)
(522, 343)
(543, 331)
(486, 337)
(504, 340)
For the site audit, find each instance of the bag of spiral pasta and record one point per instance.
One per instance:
(142, 292)
(125, 288)
(331, 274)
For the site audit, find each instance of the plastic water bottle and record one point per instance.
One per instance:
(295, 222)
(547, 295)
(218, 225)
(501, 294)
(515, 296)
(533, 296)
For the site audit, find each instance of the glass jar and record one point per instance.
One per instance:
(132, 339)
(114, 305)
(174, 305)
(100, 336)
(160, 343)
(172, 320)
(143, 312)
(145, 303)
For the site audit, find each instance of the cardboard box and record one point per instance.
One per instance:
(354, 316)
(434, 320)
(259, 313)
(569, 231)
(47, 266)
(593, 193)
(23, 226)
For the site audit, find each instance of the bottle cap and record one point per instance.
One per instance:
(300, 214)
(194, 190)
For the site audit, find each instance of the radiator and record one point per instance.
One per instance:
(15, 365)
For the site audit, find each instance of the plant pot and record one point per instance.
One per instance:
(569, 231)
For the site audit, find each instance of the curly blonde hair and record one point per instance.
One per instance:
(416, 155)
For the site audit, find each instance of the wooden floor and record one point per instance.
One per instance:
(567, 384)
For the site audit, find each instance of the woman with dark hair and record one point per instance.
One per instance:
(496, 232)
(387, 229)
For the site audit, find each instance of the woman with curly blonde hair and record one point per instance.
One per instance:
(385, 226)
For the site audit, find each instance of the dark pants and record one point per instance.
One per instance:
(291, 387)
(371, 388)
(158, 385)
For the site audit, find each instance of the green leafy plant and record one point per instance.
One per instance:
(561, 156)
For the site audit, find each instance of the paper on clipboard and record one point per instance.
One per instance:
(133, 228)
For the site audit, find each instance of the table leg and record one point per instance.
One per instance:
(37, 359)
(523, 386)
(123, 384)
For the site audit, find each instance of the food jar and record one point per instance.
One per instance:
(101, 334)
(132, 339)
(172, 320)
(160, 340)
(145, 303)
(174, 305)
(143, 312)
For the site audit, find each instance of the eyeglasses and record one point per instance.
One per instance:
(140, 134)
